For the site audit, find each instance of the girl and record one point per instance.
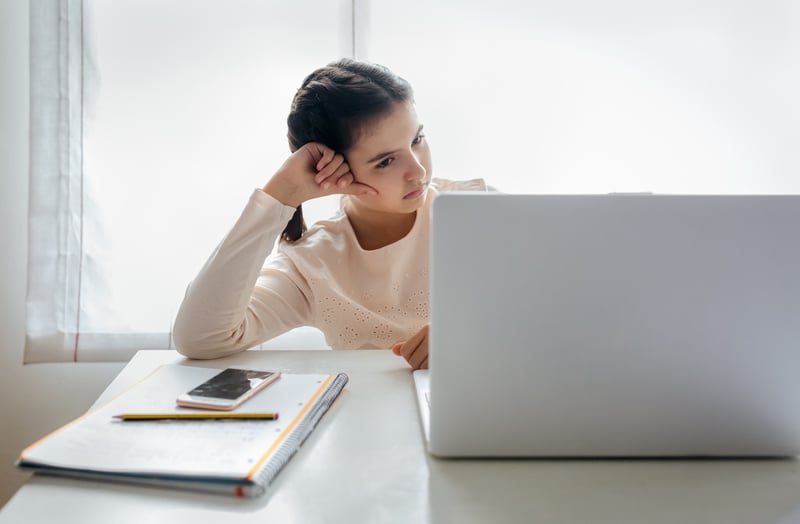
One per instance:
(360, 277)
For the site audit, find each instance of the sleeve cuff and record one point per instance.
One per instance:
(271, 206)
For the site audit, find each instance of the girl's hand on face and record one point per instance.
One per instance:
(415, 349)
(313, 171)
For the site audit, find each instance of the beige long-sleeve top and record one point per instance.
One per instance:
(247, 294)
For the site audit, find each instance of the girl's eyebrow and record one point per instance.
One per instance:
(387, 153)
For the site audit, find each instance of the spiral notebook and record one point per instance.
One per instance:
(236, 457)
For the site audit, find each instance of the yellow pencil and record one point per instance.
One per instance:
(195, 416)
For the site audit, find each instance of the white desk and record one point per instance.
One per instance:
(366, 462)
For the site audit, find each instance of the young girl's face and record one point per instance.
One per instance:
(392, 157)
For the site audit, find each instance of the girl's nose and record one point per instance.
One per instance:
(416, 171)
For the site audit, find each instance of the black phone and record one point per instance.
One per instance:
(228, 389)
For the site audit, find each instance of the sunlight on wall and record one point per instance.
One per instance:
(578, 97)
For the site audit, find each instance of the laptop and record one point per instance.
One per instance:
(613, 326)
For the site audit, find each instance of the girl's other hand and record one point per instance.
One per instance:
(415, 349)
(313, 171)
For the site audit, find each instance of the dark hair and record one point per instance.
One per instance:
(332, 107)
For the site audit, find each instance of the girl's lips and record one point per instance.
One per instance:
(416, 193)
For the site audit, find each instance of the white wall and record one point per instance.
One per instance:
(37, 398)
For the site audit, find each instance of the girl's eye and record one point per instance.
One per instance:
(385, 162)
(417, 140)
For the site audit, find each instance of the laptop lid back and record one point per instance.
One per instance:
(615, 325)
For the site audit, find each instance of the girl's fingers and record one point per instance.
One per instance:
(331, 167)
(342, 173)
(328, 154)
(419, 356)
(344, 180)
(341, 178)
(415, 349)
(333, 173)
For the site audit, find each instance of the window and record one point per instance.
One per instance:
(582, 96)
(153, 120)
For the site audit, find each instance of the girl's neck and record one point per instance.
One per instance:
(377, 229)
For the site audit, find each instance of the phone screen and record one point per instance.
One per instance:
(231, 383)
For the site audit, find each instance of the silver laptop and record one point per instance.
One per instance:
(613, 325)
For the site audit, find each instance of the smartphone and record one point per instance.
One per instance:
(227, 389)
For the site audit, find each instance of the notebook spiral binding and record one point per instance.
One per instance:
(293, 442)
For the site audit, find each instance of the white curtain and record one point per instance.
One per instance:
(153, 120)
(56, 192)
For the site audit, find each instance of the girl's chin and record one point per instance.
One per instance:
(403, 206)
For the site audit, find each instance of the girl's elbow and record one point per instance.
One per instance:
(189, 343)
(192, 344)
